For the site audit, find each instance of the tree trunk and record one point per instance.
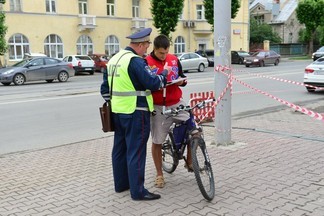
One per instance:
(311, 44)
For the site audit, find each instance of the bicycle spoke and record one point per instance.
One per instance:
(169, 161)
(202, 168)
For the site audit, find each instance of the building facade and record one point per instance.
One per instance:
(62, 27)
(281, 15)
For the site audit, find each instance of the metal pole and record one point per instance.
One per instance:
(222, 44)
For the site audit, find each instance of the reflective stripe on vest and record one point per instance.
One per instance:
(124, 95)
(132, 93)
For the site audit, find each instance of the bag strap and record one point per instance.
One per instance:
(112, 78)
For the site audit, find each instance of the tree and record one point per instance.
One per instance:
(3, 31)
(166, 14)
(311, 13)
(318, 39)
(260, 32)
(209, 10)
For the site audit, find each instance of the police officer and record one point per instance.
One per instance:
(132, 104)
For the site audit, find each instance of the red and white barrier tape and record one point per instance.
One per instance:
(310, 113)
(222, 68)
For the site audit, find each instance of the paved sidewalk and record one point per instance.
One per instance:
(274, 168)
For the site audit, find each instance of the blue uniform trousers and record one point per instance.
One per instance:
(129, 152)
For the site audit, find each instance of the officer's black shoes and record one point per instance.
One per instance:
(150, 196)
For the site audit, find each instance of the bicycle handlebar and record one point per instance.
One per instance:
(181, 107)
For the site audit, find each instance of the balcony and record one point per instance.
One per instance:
(138, 24)
(87, 22)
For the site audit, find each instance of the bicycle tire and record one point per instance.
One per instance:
(169, 159)
(202, 168)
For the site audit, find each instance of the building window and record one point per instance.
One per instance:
(84, 45)
(50, 6)
(259, 19)
(18, 45)
(135, 8)
(179, 45)
(200, 12)
(83, 7)
(15, 5)
(111, 7)
(53, 46)
(111, 45)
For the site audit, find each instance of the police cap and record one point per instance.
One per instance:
(141, 36)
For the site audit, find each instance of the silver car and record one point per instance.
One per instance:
(36, 69)
(192, 61)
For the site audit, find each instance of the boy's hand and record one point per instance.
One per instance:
(166, 67)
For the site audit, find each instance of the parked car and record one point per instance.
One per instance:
(101, 61)
(314, 74)
(35, 69)
(209, 54)
(81, 63)
(262, 58)
(318, 54)
(192, 61)
(237, 57)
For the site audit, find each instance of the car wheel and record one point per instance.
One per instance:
(91, 72)
(5, 83)
(201, 68)
(19, 79)
(276, 62)
(310, 89)
(49, 80)
(261, 64)
(240, 61)
(63, 76)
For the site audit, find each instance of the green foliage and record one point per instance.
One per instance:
(261, 32)
(304, 36)
(311, 13)
(3, 30)
(321, 34)
(166, 14)
(209, 10)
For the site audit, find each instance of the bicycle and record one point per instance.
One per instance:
(181, 135)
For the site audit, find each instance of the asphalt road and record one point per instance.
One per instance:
(41, 115)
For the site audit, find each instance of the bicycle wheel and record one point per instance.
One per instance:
(170, 160)
(202, 168)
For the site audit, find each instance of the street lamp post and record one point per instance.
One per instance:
(222, 44)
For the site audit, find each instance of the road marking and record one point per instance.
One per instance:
(49, 98)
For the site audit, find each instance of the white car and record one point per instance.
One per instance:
(314, 75)
(192, 61)
(81, 63)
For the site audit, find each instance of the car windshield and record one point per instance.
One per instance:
(243, 53)
(22, 63)
(319, 61)
(259, 54)
(82, 57)
(321, 49)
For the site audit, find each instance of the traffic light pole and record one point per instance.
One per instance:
(222, 44)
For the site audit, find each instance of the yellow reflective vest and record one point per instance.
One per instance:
(124, 96)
